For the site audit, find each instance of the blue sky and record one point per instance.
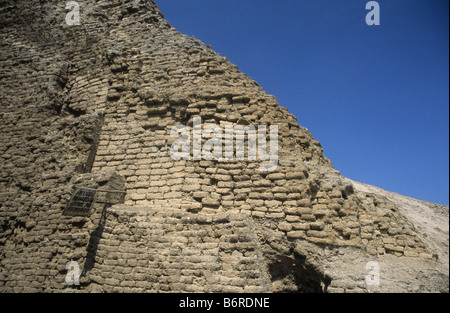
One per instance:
(376, 97)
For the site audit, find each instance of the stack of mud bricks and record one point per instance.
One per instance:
(75, 102)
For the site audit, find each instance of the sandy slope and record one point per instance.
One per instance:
(347, 266)
(430, 219)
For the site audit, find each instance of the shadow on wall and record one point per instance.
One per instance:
(94, 240)
(295, 274)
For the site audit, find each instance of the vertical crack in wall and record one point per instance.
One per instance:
(95, 139)
(92, 124)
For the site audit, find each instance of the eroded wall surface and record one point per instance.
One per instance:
(94, 104)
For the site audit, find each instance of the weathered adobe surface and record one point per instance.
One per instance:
(93, 105)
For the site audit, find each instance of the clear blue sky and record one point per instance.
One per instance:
(376, 97)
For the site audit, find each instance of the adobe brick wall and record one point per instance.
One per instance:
(81, 101)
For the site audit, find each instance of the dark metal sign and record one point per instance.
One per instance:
(81, 202)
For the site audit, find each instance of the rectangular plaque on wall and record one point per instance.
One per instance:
(81, 202)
